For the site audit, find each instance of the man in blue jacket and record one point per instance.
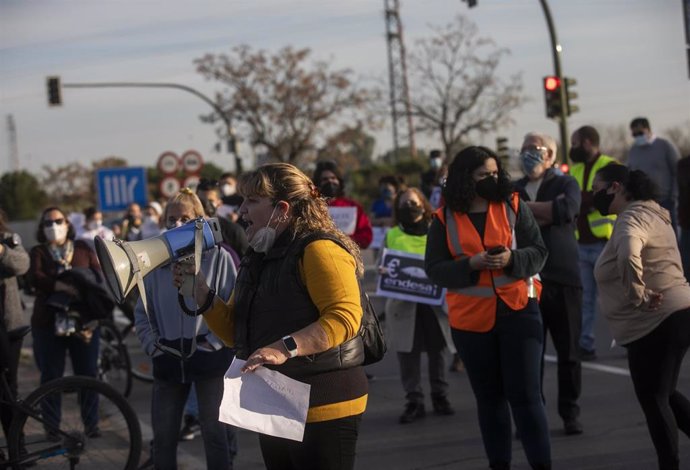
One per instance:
(555, 201)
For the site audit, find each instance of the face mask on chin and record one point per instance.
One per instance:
(56, 233)
(487, 188)
(265, 237)
(602, 201)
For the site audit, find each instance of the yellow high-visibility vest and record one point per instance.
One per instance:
(600, 225)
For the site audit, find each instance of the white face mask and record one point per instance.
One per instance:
(264, 238)
(641, 140)
(228, 189)
(151, 220)
(94, 224)
(56, 233)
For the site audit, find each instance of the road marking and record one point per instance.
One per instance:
(598, 367)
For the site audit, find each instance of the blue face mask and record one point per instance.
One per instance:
(531, 159)
(641, 140)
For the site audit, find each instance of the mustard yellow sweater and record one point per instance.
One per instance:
(328, 272)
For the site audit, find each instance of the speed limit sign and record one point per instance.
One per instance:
(168, 163)
(169, 186)
(191, 182)
(192, 162)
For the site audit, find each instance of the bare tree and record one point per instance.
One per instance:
(680, 136)
(69, 186)
(455, 87)
(283, 102)
(351, 148)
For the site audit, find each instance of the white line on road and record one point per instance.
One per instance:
(599, 367)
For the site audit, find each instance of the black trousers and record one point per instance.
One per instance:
(327, 445)
(655, 362)
(10, 362)
(561, 309)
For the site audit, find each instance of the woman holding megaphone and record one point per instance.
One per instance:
(184, 351)
(297, 295)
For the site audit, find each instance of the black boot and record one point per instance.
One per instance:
(413, 411)
(442, 405)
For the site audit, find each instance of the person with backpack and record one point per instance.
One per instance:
(297, 309)
(485, 246)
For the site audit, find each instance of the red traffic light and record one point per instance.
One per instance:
(552, 83)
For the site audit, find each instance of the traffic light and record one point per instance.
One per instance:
(570, 96)
(552, 95)
(502, 147)
(54, 91)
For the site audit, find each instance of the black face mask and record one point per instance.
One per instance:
(408, 215)
(602, 201)
(487, 188)
(330, 189)
(578, 154)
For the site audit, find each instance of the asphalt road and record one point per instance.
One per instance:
(615, 436)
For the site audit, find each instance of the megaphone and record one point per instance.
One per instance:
(121, 260)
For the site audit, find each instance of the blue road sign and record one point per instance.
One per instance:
(119, 187)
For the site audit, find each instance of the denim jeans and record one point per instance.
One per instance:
(504, 368)
(49, 354)
(589, 253)
(168, 402)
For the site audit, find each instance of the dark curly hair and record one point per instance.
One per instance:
(638, 186)
(459, 189)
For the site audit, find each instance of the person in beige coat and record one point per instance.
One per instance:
(646, 300)
(417, 327)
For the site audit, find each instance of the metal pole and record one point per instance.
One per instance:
(556, 50)
(226, 119)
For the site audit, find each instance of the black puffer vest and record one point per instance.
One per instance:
(271, 301)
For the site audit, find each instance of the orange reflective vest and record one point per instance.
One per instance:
(473, 308)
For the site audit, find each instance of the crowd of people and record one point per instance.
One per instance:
(283, 291)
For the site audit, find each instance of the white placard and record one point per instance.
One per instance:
(264, 401)
(379, 236)
(345, 218)
(405, 279)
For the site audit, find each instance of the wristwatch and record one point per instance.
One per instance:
(290, 345)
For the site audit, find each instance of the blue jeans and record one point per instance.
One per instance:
(589, 253)
(49, 353)
(504, 368)
(168, 402)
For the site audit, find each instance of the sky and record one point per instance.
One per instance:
(628, 57)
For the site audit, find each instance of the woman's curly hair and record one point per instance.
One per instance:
(459, 189)
(285, 182)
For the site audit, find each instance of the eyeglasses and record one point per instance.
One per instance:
(531, 148)
(51, 222)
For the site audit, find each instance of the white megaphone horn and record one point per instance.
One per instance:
(121, 260)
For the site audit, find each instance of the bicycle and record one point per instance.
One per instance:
(48, 429)
(114, 364)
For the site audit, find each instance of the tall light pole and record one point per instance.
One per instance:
(556, 51)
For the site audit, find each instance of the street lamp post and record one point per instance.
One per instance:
(232, 145)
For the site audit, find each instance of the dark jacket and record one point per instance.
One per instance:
(14, 261)
(271, 301)
(562, 265)
(94, 301)
(43, 273)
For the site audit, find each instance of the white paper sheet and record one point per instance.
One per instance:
(264, 401)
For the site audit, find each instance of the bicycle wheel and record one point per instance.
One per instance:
(141, 365)
(113, 360)
(76, 422)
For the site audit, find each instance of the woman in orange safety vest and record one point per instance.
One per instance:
(485, 247)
